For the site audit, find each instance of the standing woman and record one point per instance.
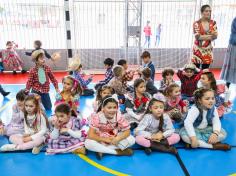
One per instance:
(205, 31)
(228, 72)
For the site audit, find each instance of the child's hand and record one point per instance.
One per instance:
(56, 124)
(26, 135)
(185, 109)
(194, 142)
(213, 139)
(158, 136)
(108, 140)
(64, 130)
(115, 141)
(2, 131)
(27, 139)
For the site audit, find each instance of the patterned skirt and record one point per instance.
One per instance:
(228, 72)
(201, 134)
(64, 144)
(203, 54)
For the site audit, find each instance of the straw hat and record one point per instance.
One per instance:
(36, 53)
(74, 63)
(190, 66)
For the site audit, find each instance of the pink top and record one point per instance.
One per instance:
(108, 128)
(147, 30)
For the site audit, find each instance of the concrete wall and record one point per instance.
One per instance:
(93, 58)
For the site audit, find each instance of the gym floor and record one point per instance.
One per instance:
(197, 162)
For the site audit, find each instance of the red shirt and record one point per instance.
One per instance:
(33, 80)
(188, 85)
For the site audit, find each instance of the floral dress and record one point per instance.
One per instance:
(11, 59)
(202, 50)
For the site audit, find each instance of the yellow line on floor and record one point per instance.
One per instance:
(101, 167)
(7, 104)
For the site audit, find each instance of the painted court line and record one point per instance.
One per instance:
(101, 167)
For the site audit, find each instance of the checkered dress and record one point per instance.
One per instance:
(66, 143)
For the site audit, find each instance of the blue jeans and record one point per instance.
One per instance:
(45, 98)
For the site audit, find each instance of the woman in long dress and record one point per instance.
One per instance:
(228, 72)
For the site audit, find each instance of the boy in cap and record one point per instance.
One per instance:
(39, 77)
(189, 78)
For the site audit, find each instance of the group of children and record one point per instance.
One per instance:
(120, 108)
(11, 60)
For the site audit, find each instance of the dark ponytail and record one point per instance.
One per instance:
(161, 118)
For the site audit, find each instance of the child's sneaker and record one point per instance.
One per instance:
(81, 150)
(37, 149)
(8, 148)
(126, 152)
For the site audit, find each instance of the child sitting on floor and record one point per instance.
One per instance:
(156, 130)
(136, 103)
(35, 128)
(108, 62)
(70, 93)
(175, 106)
(202, 126)
(69, 132)
(16, 125)
(76, 67)
(109, 131)
(167, 79)
(150, 88)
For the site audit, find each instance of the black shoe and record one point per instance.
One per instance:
(163, 148)
(148, 150)
(23, 71)
(99, 155)
(5, 93)
(14, 72)
(133, 125)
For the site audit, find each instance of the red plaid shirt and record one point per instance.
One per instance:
(188, 85)
(33, 80)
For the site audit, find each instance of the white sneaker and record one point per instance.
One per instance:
(37, 149)
(8, 148)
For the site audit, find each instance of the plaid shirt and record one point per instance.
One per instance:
(129, 75)
(33, 80)
(188, 85)
(108, 76)
(81, 79)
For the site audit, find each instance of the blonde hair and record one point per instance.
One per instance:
(117, 70)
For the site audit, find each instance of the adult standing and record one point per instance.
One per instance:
(158, 35)
(228, 72)
(148, 32)
(205, 31)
